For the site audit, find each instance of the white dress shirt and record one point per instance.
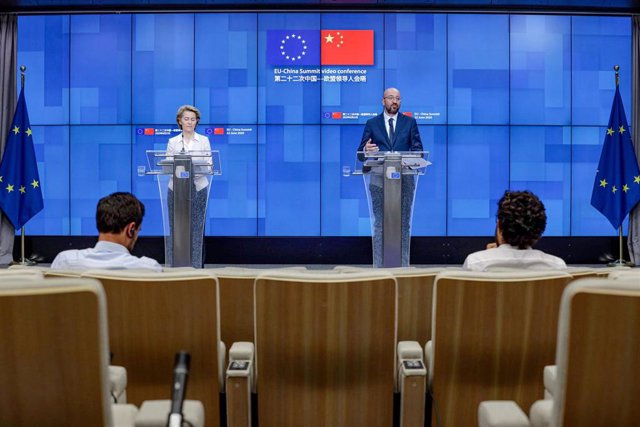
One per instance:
(104, 255)
(507, 256)
(198, 143)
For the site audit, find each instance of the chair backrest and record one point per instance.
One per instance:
(53, 353)
(493, 333)
(325, 349)
(23, 271)
(624, 273)
(585, 272)
(415, 290)
(152, 316)
(51, 273)
(598, 354)
(236, 301)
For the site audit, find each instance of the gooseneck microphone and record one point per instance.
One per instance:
(179, 389)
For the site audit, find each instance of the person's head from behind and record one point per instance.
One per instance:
(521, 219)
(119, 218)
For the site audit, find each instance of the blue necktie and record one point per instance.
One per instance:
(392, 133)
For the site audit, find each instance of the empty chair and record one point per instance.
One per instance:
(54, 355)
(151, 317)
(598, 362)
(236, 301)
(493, 333)
(325, 351)
(415, 289)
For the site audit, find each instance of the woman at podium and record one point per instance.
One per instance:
(189, 141)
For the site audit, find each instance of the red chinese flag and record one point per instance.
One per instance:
(408, 113)
(149, 131)
(336, 115)
(347, 47)
(218, 131)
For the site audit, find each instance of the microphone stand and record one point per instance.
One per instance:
(179, 388)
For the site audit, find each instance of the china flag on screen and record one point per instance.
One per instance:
(346, 47)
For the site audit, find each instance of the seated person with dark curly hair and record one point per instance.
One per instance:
(521, 220)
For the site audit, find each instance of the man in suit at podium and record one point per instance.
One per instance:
(391, 131)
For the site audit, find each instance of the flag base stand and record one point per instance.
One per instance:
(620, 263)
(23, 261)
(26, 262)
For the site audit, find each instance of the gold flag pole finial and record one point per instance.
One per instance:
(617, 70)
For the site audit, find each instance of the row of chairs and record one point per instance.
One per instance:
(325, 342)
(595, 380)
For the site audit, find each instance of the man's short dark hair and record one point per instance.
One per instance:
(522, 218)
(117, 210)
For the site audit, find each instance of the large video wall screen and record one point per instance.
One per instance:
(502, 102)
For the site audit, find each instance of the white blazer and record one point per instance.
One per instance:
(198, 143)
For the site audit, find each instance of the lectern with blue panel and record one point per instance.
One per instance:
(390, 181)
(183, 208)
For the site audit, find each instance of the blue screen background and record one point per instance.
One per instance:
(502, 102)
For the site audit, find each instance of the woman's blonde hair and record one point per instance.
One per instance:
(184, 108)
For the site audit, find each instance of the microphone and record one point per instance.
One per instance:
(179, 389)
(182, 151)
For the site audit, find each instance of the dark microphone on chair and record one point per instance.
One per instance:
(179, 389)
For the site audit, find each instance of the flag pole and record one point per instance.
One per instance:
(620, 262)
(23, 260)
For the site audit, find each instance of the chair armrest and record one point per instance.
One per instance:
(155, 413)
(428, 360)
(501, 413)
(240, 382)
(540, 413)
(222, 354)
(550, 379)
(118, 384)
(412, 379)
(123, 415)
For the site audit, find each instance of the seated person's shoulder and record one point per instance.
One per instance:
(477, 261)
(149, 264)
(65, 259)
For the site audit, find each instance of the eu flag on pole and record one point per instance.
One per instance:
(20, 191)
(616, 189)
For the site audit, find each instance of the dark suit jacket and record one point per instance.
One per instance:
(407, 136)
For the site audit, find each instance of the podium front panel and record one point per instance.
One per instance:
(390, 187)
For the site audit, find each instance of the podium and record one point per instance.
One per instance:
(183, 183)
(390, 180)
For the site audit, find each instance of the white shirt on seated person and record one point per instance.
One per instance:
(507, 256)
(104, 255)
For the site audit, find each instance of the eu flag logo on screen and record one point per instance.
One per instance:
(326, 47)
(293, 47)
(20, 191)
(616, 189)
